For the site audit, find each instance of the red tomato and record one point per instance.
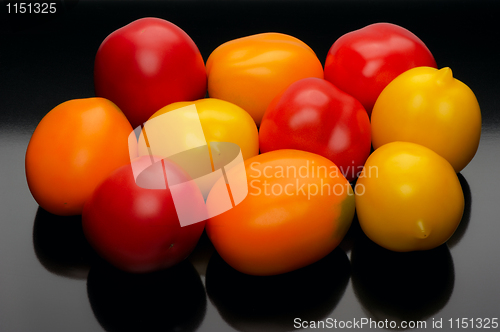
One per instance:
(134, 228)
(146, 65)
(313, 115)
(364, 61)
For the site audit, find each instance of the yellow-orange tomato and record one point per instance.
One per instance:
(221, 121)
(75, 146)
(429, 107)
(409, 198)
(251, 71)
(298, 208)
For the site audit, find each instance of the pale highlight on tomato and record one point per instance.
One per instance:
(221, 121)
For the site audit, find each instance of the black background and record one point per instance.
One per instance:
(50, 280)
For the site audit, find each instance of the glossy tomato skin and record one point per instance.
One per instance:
(74, 147)
(298, 209)
(433, 99)
(146, 65)
(411, 198)
(313, 115)
(221, 121)
(134, 228)
(252, 70)
(364, 61)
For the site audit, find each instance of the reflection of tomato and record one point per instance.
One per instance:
(411, 198)
(168, 300)
(137, 229)
(221, 121)
(73, 148)
(425, 281)
(250, 71)
(298, 209)
(146, 65)
(364, 61)
(429, 107)
(311, 292)
(313, 115)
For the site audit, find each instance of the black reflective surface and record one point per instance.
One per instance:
(50, 280)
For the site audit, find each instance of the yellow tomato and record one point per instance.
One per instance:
(408, 198)
(221, 121)
(298, 208)
(251, 71)
(429, 107)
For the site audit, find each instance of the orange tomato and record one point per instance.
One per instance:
(251, 71)
(298, 208)
(75, 146)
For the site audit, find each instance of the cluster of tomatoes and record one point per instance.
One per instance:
(314, 128)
